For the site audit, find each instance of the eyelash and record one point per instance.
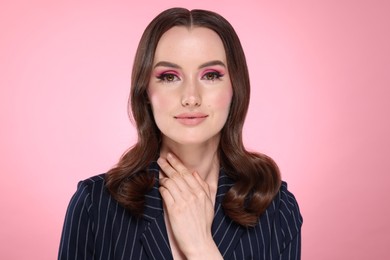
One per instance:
(164, 76)
(216, 75)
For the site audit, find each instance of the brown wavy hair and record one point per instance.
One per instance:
(256, 176)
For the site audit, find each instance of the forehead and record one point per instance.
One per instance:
(195, 43)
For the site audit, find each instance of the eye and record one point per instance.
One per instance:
(168, 77)
(212, 75)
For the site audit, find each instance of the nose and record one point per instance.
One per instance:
(191, 96)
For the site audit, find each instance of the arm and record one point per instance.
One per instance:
(189, 208)
(77, 239)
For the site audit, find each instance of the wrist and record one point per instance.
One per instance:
(209, 251)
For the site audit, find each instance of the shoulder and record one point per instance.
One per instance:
(94, 180)
(287, 203)
(286, 217)
(286, 206)
(90, 191)
(97, 181)
(92, 185)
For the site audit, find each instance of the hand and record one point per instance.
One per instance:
(189, 208)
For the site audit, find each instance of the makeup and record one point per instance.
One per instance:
(191, 119)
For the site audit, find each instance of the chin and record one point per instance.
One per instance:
(188, 141)
(193, 140)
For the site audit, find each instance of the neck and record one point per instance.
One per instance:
(202, 158)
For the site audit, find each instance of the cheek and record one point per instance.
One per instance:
(159, 102)
(155, 99)
(222, 100)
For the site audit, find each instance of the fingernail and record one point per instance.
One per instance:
(169, 155)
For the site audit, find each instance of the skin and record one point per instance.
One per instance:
(190, 94)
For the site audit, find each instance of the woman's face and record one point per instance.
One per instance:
(190, 90)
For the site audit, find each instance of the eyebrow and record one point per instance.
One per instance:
(175, 66)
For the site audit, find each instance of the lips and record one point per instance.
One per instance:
(191, 115)
(191, 119)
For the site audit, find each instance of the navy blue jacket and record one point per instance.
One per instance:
(97, 227)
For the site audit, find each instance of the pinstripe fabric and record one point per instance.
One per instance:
(97, 227)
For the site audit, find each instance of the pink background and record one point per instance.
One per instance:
(320, 73)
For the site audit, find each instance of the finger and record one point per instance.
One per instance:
(178, 189)
(179, 167)
(184, 183)
(175, 170)
(172, 186)
(177, 164)
(166, 196)
(166, 167)
(202, 183)
(179, 182)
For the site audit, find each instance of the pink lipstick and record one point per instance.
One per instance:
(191, 119)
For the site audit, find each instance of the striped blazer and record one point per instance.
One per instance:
(97, 227)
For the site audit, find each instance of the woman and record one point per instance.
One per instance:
(187, 189)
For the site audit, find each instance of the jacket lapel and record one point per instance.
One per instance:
(226, 233)
(155, 238)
